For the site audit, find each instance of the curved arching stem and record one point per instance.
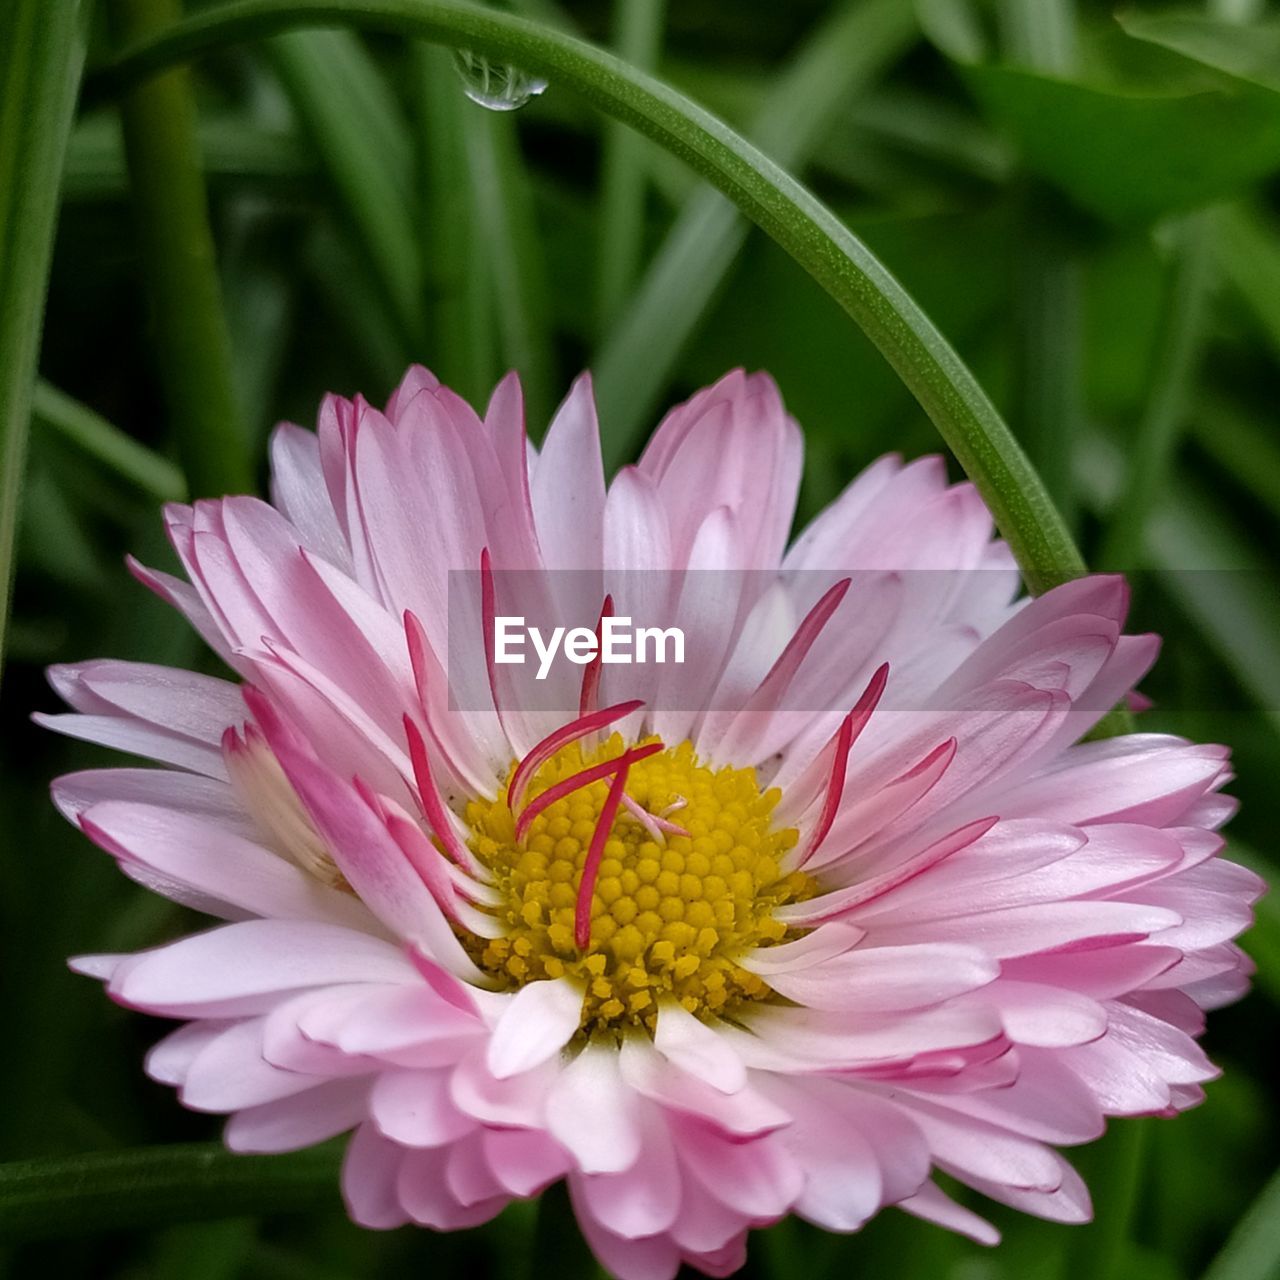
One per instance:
(767, 194)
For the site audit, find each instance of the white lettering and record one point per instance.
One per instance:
(504, 635)
(660, 638)
(618, 643)
(546, 652)
(616, 636)
(580, 645)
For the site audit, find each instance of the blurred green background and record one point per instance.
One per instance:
(1085, 204)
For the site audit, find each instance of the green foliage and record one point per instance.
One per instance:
(40, 60)
(1085, 207)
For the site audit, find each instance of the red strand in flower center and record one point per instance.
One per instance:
(591, 676)
(591, 867)
(577, 781)
(561, 737)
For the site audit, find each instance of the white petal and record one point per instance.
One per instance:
(539, 1020)
(696, 1047)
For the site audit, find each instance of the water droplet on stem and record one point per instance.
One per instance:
(497, 86)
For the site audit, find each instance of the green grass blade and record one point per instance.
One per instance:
(1209, 567)
(463, 343)
(1176, 358)
(503, 202)
(105, 443)
(41, 54)
(1039, 33)
(637, 38)
(1247, 249)
(231, 147)
(799, 222)
(1103, 1248)
(1249, 50)
(845, 53)
(191, 340)
(353, 304)
(1242, 446)
(365, 145)
(150, 1186)
(1049, 304)
(927, 126)
(1252, 1251)
(52, 542)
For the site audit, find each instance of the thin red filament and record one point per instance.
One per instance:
(584, 778)
(562, 736)
(591, 867)
(432, 802)
(591, 676)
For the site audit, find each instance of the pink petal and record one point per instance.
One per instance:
(745, 1113)
(139, 739)
(1044, 926)
(299, 1121)
(524, 1161)
(567, 487)
(369, 1173)
(759, 1178)
(217, 863)
(655, 1258)
(519, 1101)
(414, 1108)
(643, 1200)
(298, 490)
(888, 979)
(198, 797)
(243, 965)
(934, 1205)
(230, 1072)
(423, 1190)
(1049, 1017)
(362, 847)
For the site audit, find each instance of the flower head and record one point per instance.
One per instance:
(838, 902)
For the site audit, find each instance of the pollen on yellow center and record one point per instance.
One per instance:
(668, 920)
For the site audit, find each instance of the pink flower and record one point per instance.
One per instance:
(840, 901)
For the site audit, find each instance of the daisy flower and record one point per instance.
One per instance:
(844, 900)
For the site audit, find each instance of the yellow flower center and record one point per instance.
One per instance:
(670, 914)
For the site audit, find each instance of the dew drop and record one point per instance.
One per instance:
(498, 86)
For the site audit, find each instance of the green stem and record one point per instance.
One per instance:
(190, 335)
(786, 210)
(41, 55)
(638, 39)
(152, 1186)
(1176, 357)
